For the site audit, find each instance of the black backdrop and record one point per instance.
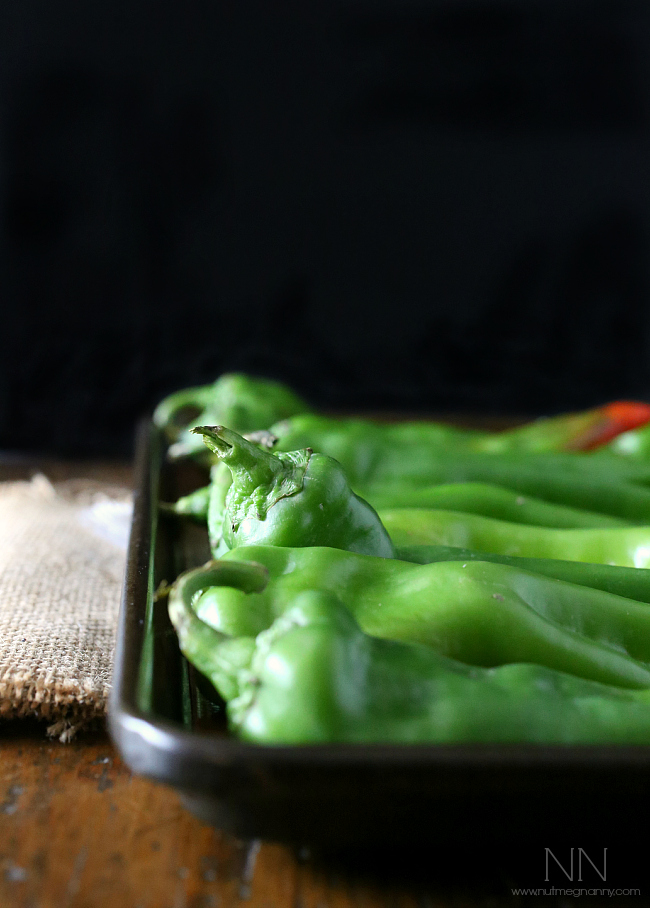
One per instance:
(419, 206)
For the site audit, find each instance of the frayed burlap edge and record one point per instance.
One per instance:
(87, 491)
(69, 704)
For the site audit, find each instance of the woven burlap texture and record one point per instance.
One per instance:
(60, 585)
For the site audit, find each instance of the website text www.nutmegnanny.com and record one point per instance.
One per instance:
(575, 873)
(576, 891)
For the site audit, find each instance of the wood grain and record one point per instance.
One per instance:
(79, 830)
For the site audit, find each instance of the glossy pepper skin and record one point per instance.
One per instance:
(632, 583)
(241, 401)
(315, 678)
(372, 441)
(467, 497)
(627, 546)
(492, 501)
(294, 498)
(396, 459)
(477, 612)
(626, 501)
(582, 431)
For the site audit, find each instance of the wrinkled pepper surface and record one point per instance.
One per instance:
(293, 498)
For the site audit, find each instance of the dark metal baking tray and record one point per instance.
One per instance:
(167, 729)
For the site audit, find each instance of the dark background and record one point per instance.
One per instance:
(420, 206)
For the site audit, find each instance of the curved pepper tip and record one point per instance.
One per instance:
(247, 576)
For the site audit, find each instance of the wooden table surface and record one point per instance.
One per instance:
(79, 830)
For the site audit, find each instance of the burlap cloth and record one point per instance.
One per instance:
(62, 555)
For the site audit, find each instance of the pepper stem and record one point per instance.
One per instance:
(251, 467)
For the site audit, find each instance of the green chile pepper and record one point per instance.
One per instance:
(569, 432)
(491, 501)
(298, 498)
(292, 498)
(262, 479)
(245, 403)
(218, 656)
(632, 583)
(314, 677)
(173, 413)
(516, 503)
(394, 460)
(357, 442)
(627, 501)
(221, 481)
(195, 505)
(387, 452)
(467, 497)
(586, 632)
(627, 546)
(477, 612)
(208, 504)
